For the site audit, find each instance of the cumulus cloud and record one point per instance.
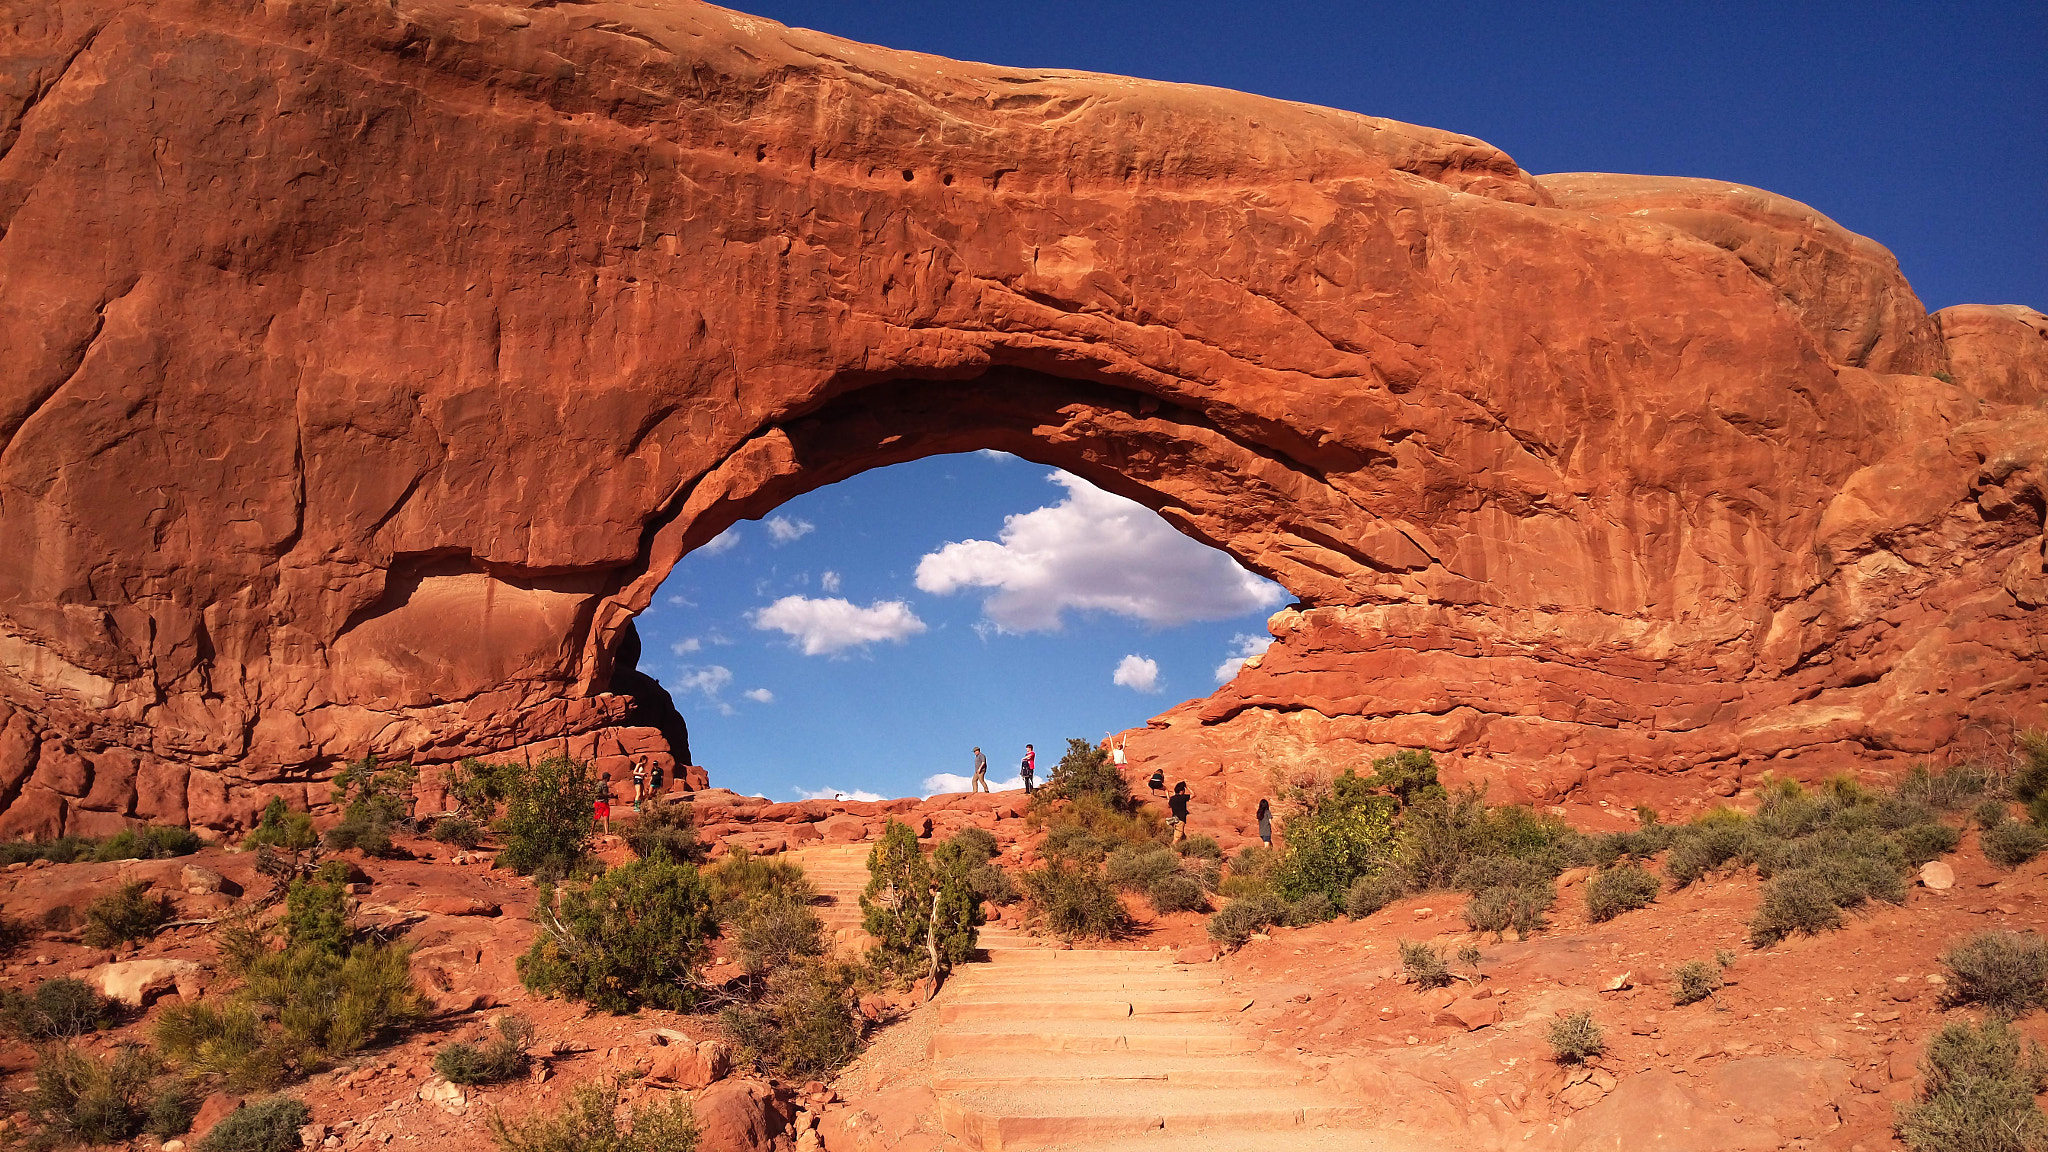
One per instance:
(760, 695)
(825, 627)
(1137, 673)
(1094, 552)
(829, 581)
(723, 542)
(948, 782)
(710, 679)
(686, 646)
(835, 794)
(782, 529)
(1242, 648)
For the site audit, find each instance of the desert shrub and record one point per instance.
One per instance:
(373, 800)
(1924, 842)
(500, 1058)
(127, 913)
(1369, 894)
(1810, 900)
(1407, 775)
(2006, 972)
(316, 912)
(1491, 911)
(1574, 1038)
(992, 884)
(1071, 842)
(1343, 832)
(1076, 902)
(149, 843)
(62, 850)
(1990, 813)
(2011, 843)
(774, 930)
(665, 826)
(460, 831)
(1177, 892)
(1947, 789)
(546, 823)
(1135, 868)
(1234, 923)
(1977, 1092)
(1444, 835)
(1624, 888)
(589, 1122)
(1204, 847)
(14, 932)
(898, 904)
(634, 936)
(741, 878)
(1314, 908)
(2030, 780)
(60, 1008)
(1424, 965)
(1695, 980)
(805, 1027)
(76, 1099)
(978, 843)
(1085, 773)
(1483, 872)
(1254, 860)
(1703, 846)
(268, 1125)
(281, 828)
(172, 1106)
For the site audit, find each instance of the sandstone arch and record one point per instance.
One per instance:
(336, 328)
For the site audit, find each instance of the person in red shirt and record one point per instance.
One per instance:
(1029, 768)
(603, 808)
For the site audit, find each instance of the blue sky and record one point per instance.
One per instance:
(1917, 125)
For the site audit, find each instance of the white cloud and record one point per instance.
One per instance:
(1242, 648)
(782, 529)
(682, 601)
(823, 627)
(1137, 673)
(1095, 552)
(994, 454)
(723, 542)
(829, 581)
(759, 695)
(710, 679)
(835, 794)
(685, 647)
(948, 782)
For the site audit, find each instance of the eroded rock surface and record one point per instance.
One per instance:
(370, 364)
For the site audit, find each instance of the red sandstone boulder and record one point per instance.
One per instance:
(739, 1116)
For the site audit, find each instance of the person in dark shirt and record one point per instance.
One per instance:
(1178, 805)
(1028, 768)
(1158, 781)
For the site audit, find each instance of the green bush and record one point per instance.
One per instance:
(1204, 847)
(500, 1058)
(1443, 836)
(1924, 842)
(373, 800)
(1369, 894)
(171, 1109)
(992, 884)
(740, 879)
(1234, 923)
(1491, 911)
(665, 826)
(14, 932)
(316, 913)
(1810, 899)
(2012, 843)
(62, 850)
(1343, 833)
(60, 1008)
(149, 843)
(589, 1122)
(1613, 891)
(1695, 980)
(1977, 1092)
(1254, 860)
(1136, 867)
(1076, 902)
(1424, 965)
(1177, 892)
(281, 828)
(1575, 1039)
(127, 913)
(1408, 775)
(1314, 908)
(634, 936)
(1991, 813)
(547, 823)
(978, 843)
(805, 1028)
(460, 831)
(2006, 972)
(2030, 781)
(775, 930)
(1085, 773)
(896, 906)
(268, 1125)
(1704, 846)
(76, 1099)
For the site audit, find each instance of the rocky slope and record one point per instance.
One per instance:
(372, 363)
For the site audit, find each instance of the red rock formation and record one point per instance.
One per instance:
(370, 365)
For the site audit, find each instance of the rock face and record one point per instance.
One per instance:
(370, 364)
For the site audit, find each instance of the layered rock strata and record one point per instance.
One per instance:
(369, 364)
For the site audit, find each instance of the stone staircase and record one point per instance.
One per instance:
(1045, 1048)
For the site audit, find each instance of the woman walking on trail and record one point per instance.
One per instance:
(980, 781)
(1028, 768)
(1178, 805)
(1266, 822)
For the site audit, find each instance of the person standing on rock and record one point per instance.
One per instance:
(1178, 805)
(1266, 822)
(603, 808)
(639, 781)
(1029, 768)
(1116, 754)
(654, 783)
(980, 782)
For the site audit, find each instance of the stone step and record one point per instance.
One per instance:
(1130, 1035)
(1294, 1140)
(976, 1007)
(998, 1120)
(1073, 1070)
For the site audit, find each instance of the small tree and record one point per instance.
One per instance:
(373, 800)
(1407, 775)
(636, 935)
(1085, 772)
(548, 823)
(920, 913)
(1346, 832)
